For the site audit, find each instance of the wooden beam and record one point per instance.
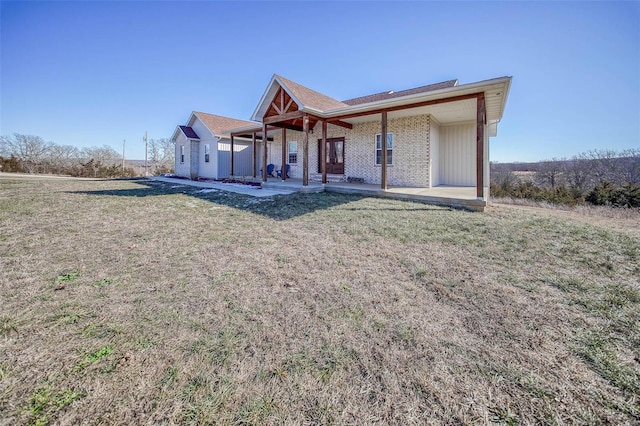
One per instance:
(278, 110)
(414, 105)
(283, 172)
(281, 100)
(265, 141)
(342, 124)
(286, 109)
(480, 112)
(282, 117)
(253, 156)
(305, 149)
(231, 155)
(323, 152)
(383, 143)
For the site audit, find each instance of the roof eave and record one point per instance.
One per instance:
(414, 98)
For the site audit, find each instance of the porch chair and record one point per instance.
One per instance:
(270, 168)
(287, 172)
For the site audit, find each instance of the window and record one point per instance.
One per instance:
(207, 150)
(379, 149)
(181, 154)
(293, 152)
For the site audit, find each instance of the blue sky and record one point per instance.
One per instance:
(95, 73)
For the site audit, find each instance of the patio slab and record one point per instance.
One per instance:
(238, 188)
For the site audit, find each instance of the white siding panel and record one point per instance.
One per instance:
(242, 158)
(201, 130)
(457, 155)
(434, 157)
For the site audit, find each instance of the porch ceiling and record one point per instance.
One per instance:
(450, 112)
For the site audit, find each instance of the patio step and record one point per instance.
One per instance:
(317, 177)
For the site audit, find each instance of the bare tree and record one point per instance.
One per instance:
(577, 172)
(549, 172)
(63, 157)
(630, 165)
(104, 155)
(605, 165)
(31, 150)
(161, 154)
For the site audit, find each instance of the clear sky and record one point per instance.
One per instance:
(95, 73)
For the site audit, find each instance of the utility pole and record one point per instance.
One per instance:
(124, 141)
(146, 149)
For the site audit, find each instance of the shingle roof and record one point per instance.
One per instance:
(189, 132)
(391, 94)
(218, 124)
(310, 98)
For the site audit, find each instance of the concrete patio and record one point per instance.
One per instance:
(455, 196)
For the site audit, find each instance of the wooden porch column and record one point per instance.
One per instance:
(383, 142)
(232, 155)
(264, 152)
(305, 150)
(253, 157)
(480, 111)
(323, 153)
(284, 154)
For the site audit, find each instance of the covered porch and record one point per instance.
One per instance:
(456, 196)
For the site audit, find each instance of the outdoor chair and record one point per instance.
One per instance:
(288, 167)
(270, 168)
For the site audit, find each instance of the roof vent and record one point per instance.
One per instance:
(391, 92)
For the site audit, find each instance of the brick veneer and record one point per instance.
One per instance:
(410, 150)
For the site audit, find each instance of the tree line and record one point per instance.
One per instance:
(32, 154)
(600, 177)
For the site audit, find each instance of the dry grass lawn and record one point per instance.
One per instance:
(139, 302)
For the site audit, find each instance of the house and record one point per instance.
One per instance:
(428, 137)
(203, 147)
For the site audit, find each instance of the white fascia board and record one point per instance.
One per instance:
(419, 97)
(504, 97)
(254, 116)
(295, 99)
(174, 137)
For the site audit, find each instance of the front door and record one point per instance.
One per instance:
(335, 156)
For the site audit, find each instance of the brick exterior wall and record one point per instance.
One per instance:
(410, 151)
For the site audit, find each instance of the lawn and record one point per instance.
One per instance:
(138, 302)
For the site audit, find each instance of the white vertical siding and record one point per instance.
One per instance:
(434, 156)
(457, 155)
(241, 159)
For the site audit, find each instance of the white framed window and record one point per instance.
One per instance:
(181, 154)
(379, 149)
(207, 152)
(293, 152)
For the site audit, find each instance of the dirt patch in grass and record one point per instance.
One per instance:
(180, 306)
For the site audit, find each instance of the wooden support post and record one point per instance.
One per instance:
(264, 152)
(305, 150)
(383, 143)
(323, 153)
(232, 155)
(283, 170)
(253, 157)
(480, 111)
